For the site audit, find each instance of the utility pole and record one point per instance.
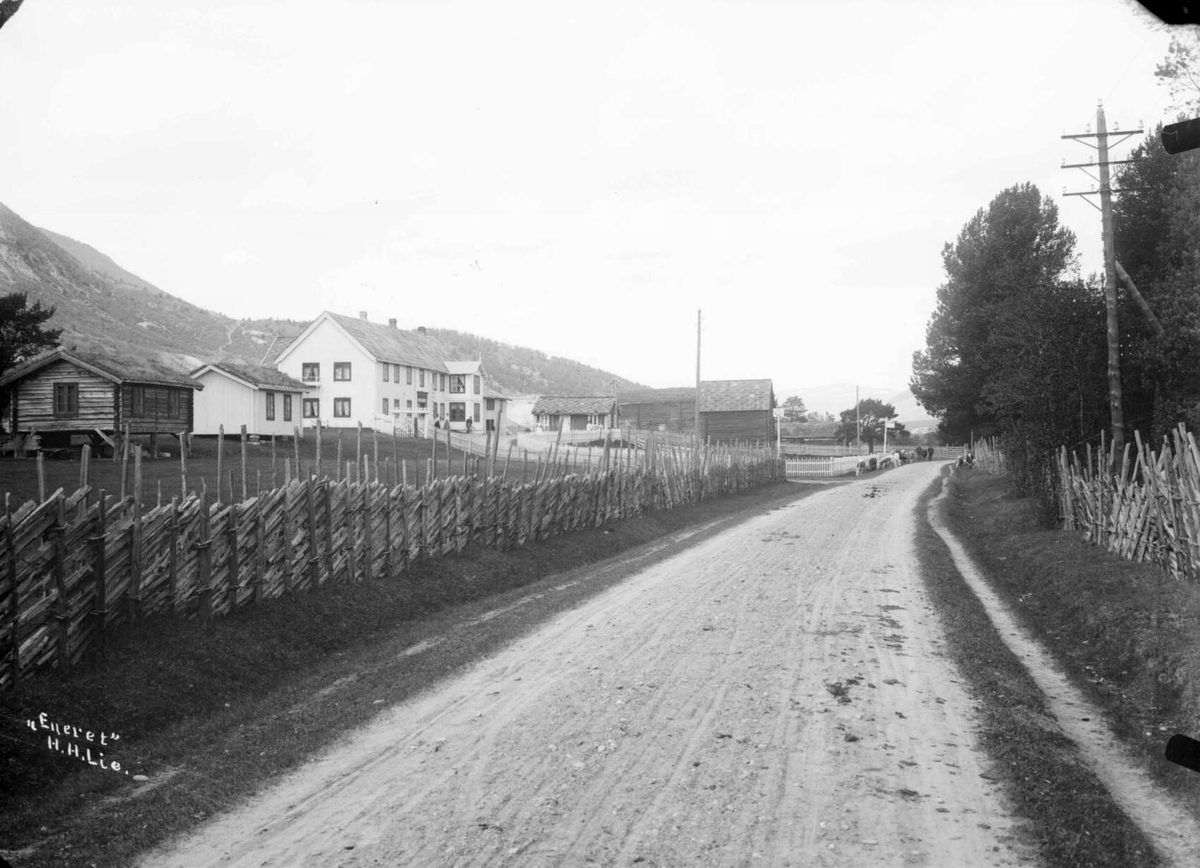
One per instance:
(857, 423)
(697, 376)
(1105, 192)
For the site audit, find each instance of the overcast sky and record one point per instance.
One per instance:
(579, 178)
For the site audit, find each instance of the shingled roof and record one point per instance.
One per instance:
(400, 346)
(554, 405)
(720, 396)
(278, 345)
(119, 369)
(256, 376)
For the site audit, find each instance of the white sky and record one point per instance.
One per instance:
(579, 178)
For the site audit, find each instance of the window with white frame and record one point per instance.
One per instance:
(310, 372)
(341, 371)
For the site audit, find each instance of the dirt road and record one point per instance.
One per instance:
(774, 695)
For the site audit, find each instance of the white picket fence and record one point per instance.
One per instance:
(821, 467)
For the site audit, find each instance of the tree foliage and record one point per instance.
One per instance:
(869, 417)
(794, 410)
(1180, 69)
(1014, 349)
(1004, 255)
(23, 330)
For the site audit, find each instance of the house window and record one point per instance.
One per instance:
(173, 402)
(66, 399)
(443, 411)
(270, 406)
(458, 411)
(287, 408)
(476, 411)
(137, 400)
(422, 400)
(386, 368)
(384, 406)
(458, 384)
(312, 408)
(310, 372)
(408, 374)
(396, 373)
(341, 371)
(421, 375)
(408, 404)
(341, 408)
(491, 404)
(396, 405)
(476, 378)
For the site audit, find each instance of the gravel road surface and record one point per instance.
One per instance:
(776, 694)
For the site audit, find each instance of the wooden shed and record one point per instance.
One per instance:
(736, 409)
(576, 414)
(265, 400)
(671, 410)
(69, 392)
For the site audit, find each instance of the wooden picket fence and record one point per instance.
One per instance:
(75, 568)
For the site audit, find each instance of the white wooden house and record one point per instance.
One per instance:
(380, 376)
(266, 401)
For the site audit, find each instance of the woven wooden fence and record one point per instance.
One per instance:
(74, 568)
(1147, 509)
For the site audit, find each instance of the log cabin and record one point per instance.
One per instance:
(672, 410)
(736, 410)
(68, 392)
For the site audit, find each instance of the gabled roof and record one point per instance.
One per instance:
(808, 430)
(554, 405)
(657, 396)
(118, 369)
(278, 345)
(254, 376)
(720, 396)
(383, 342)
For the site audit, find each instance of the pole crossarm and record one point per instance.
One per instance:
(1095, 165)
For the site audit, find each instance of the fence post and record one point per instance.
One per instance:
(173, 555)
(62, 608)
(10, 545)
(235, 561)
(245, 445)
(133, 597)
(204, 560)
(368, 535)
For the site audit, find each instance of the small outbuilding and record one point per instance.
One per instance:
(575, 414)
(68, 392)
(736, 410)
(265, 400)
(671, 410)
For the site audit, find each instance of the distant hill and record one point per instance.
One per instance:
(102, 307)
(836, 397)
(524, 371)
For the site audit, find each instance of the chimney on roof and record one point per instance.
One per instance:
(421, 329)
(392, 322)
(362, 314)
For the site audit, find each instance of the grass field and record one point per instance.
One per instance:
(265, 465)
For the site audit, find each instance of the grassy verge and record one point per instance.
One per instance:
(212, 712)
(1127, 633)
(1098, 615)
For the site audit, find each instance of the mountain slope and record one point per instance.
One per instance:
(102, 307)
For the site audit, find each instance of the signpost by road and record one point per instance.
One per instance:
(778, 413)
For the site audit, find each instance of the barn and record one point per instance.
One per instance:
(671, 410)
(574, 414)
(736, 410)
(69, 392)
